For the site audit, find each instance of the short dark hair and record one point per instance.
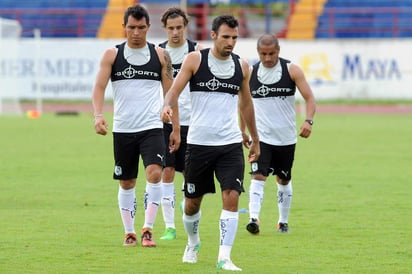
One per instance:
(137, 12)
(172, 13)
(229, 20)
(268, 40)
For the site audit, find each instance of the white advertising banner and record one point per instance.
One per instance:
(335, 69)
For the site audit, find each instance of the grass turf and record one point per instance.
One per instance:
(350, 213)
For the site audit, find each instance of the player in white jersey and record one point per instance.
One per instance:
(138, 70)
(219, 84)
(175, 22)
(273, 85)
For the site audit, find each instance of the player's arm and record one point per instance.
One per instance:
(167, 80)
(187, 69)
(102, 78)
(247, 113)
(167, 69)
(242, 125)
(299, 78)
(170, 111)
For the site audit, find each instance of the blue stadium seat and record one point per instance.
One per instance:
(53, 19)
(373, 23)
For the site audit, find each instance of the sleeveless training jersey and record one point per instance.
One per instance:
(214, 119)
(177, 55)
(273, 93)
(136, 87)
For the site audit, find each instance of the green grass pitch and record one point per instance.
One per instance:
(351, 211)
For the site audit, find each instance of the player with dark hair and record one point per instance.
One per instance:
(219, 87)
(175, 22)
(137, 70)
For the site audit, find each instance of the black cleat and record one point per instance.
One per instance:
(253, 226)
(283, 228)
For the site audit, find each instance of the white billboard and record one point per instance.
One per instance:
(336, 69)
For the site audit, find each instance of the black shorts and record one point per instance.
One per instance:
(202, 163)
(176, 159)
(148, 144)
(275, 160)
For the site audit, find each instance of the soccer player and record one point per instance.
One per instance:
(137, 70)
(175, 22)
(273, 85)
(219, 84)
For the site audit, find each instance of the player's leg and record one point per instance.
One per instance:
(284, 186)
(168, 203)
(152, 151)
(126, 170)
(168, 200)
(259, 171)
(199, 179)
(230, 168)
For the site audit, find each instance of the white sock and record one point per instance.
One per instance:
(152, 197)
(256, 193)
(127, 206)
(183, 196)
(168, 204)
(228, 226)
(191, 224)
(284, 201)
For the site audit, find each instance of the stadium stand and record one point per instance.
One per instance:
(365, 19)
(58, 18)
(110, 27)
(305, 19)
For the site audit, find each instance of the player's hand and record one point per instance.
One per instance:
(100, 125)
(166, 114)
(246, 140)
(254, 152)
(305, 130)
(174, 141)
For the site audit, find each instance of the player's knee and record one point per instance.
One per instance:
(154, 173)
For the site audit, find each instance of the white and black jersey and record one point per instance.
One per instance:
(214, 92)
(136, 81)
(273, 93)
(177, 55)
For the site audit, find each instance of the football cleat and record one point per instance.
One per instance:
(190, 255)
(227, 265)
(170, 234)
(130, 239)
(283, 228)
(147, 238)
(253, 226)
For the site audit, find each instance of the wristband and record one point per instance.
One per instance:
(309, 121)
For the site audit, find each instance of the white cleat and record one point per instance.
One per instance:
(190, 255)
(227, 265)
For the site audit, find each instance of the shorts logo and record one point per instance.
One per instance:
(254, 167)
(191, 188)
(285, 173)
(118, 170)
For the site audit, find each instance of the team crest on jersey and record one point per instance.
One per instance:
(118, 170)
(254, 167)
(191, 188)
